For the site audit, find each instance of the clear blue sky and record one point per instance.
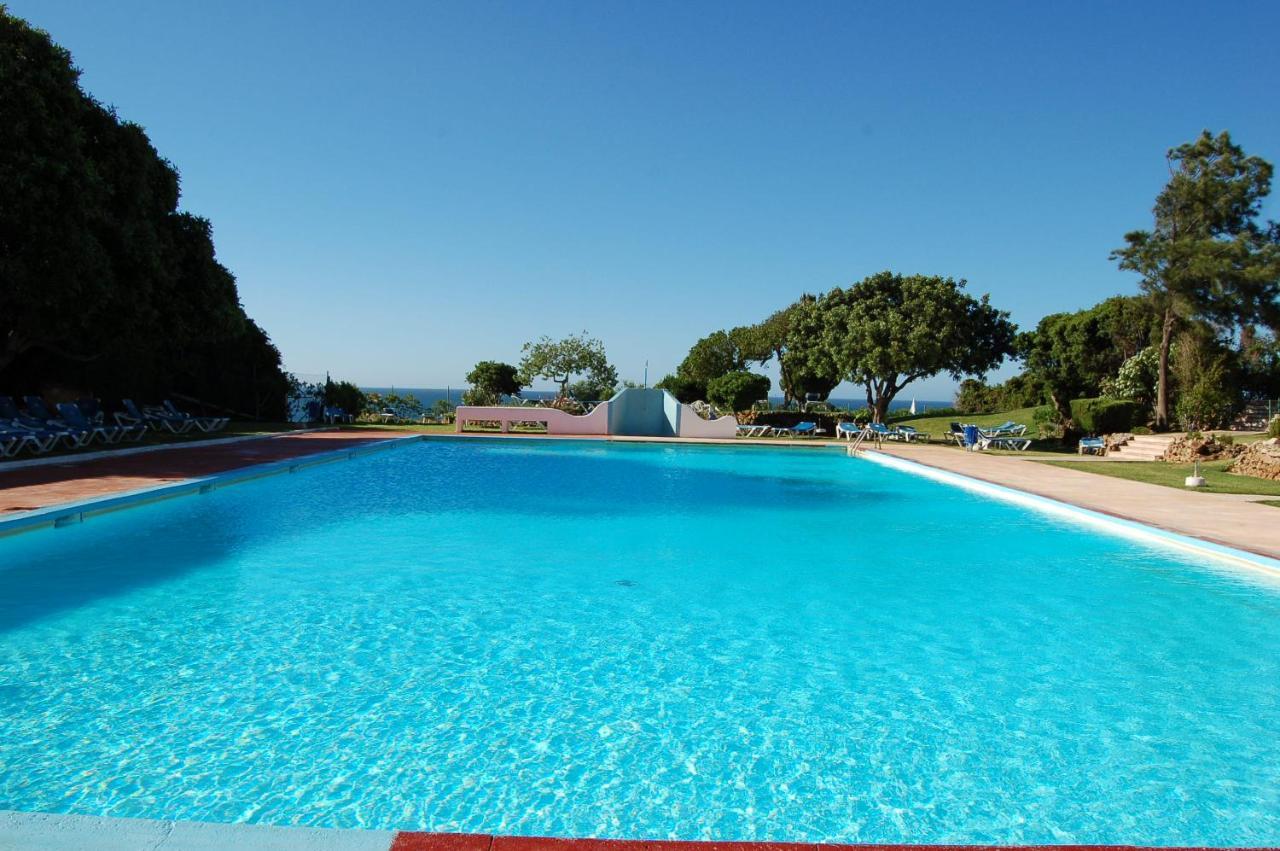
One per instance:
(403, 189)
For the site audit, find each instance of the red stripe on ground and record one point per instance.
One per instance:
(442, 842)
(410, 841)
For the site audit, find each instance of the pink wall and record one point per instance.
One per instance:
(558, 422)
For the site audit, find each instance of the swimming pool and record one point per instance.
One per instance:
(588, 639)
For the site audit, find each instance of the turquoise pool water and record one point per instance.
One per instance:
(641, 641)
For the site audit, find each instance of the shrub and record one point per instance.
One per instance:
(1207, 403)
(344, 395)
(1047, 421)
(567, 404)
(1139, 430)
(978, 397)
(1103, 415)
(686, 390)
(479, 397)
(1136, 378)
(1273, 430)
(737, 391)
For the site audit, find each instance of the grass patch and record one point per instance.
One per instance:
(1275, 503)
(415, 428)
(1217, 479)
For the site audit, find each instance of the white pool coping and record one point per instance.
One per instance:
(60, 832)
(1107, 523)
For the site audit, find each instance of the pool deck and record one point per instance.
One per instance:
(53, 832)
(30, 488)
(1226, 519)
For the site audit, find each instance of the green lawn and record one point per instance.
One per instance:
(938, 426)
(1272, 502)
(446, 428)
(1172, 475)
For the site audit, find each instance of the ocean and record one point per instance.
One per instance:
(428, 396)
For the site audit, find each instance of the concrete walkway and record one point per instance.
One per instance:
(1221, 518)
(51, 832)
(32, 488)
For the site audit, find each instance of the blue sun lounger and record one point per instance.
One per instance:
(75, 418)
(133, 416)
(205, 424)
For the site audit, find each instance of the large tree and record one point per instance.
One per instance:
(772, 339)
(1070, 354)
(1207, 255)
(106, 287)
(561, 360)
(490, 380)
(889, 330)
(717, 354)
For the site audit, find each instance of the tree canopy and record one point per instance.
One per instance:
(889, 330)
(737, 391)
(561, 360)
(490, 380)
(106, 287)
(1207, 254)
(772, 339)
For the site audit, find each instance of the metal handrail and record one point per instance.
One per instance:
(862, 435)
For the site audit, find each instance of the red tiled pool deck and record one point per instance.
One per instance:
(32, 488)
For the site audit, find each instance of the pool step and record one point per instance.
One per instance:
(1143, 447)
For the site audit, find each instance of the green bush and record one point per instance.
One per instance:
(1273, 430)
(1140, 430)
(685, 390)
(1207, 403)
(737, 391)
(1103, 415)
(345, 395)
(1047, 421)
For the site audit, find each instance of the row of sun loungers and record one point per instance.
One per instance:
(798, 430)
(1007, 435)
(38, 429)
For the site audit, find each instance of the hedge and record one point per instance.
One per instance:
(1104, 416)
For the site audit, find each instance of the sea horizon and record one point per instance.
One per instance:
(428, 396)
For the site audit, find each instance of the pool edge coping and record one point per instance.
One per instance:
(66, 831)
(1114, 524)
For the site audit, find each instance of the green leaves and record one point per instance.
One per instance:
(494, 379)
(561, 360)
(890, 329)
(1207, 255)
(737, 391)
(105, 287)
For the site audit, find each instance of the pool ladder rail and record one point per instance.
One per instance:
(866, 432)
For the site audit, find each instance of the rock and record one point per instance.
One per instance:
(1184, 450)
(1114, 441)
(1261, 459)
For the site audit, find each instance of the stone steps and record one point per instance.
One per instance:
(1143, 447)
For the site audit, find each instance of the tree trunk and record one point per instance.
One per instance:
(1162, 384)
(1063, 406)
(783, 380)
(879, 396)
